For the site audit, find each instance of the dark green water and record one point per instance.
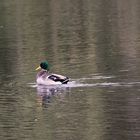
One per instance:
(96, 43)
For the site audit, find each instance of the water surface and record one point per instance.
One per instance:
(96, 44)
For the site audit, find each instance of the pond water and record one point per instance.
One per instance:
(96, 43)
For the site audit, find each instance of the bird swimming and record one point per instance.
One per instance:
(44, 77)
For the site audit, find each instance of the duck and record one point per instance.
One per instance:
(44, 77)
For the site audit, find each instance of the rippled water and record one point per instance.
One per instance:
(96, 44)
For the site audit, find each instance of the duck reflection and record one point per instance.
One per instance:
(47, 93)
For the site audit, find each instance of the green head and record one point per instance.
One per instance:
(44, 65)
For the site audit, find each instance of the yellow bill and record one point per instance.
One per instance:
(38, 68)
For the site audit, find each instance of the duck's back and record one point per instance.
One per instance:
(59, 78)
(46, 78)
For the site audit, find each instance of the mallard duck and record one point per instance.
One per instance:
(44, 77)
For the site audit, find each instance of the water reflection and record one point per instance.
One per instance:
(47, 93)
(121, 110)
(117, 39)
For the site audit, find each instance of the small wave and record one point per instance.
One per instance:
(103, 84)
(75, 84)
(34, 85)
(94, 77)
